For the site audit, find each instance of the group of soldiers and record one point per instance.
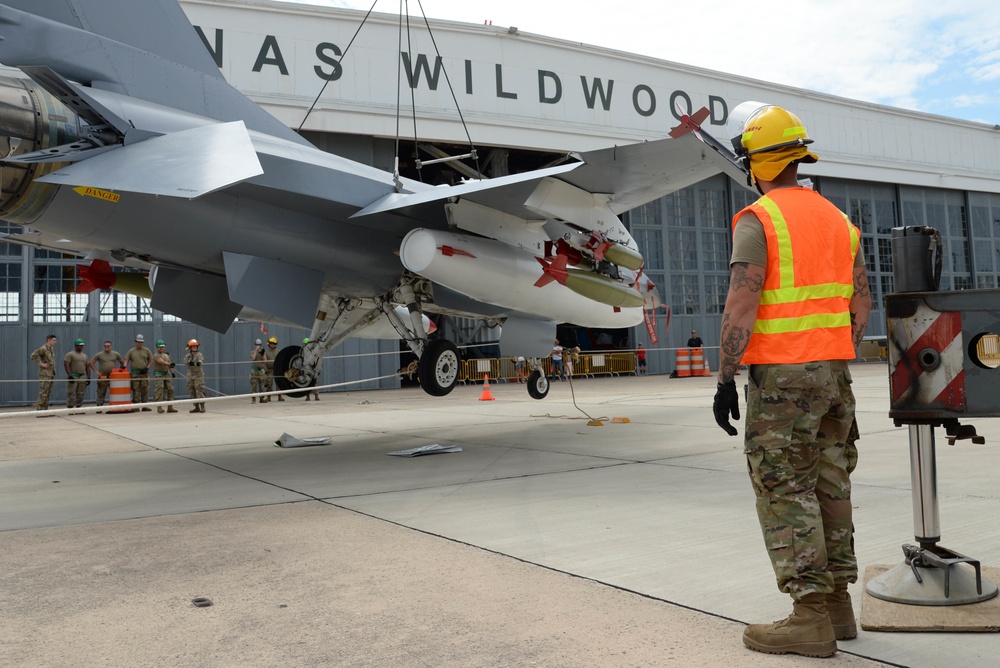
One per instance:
(139, 361)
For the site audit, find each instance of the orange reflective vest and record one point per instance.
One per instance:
(804, 313)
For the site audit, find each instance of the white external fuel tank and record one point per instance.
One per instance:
(498, 273)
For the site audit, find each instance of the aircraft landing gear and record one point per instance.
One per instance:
(439, 367)
(538, 385)
(438, 364)
(289, 374)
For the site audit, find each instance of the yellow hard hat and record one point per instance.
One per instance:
(773, 138)
(272, 340)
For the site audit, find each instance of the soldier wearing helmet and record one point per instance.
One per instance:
(138, 359)
(195, 362)
(797, 308)
(75, 364)
(270, 353)
(163, 377)
(257, 370)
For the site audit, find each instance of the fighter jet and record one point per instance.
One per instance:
(121, 139)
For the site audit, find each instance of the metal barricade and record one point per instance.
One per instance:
(475, 370)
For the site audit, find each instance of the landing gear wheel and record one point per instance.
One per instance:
(288, 359)
(538, 385)
(439, 365)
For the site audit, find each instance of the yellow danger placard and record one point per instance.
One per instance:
(106, 195)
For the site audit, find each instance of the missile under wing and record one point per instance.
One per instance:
(123, 138)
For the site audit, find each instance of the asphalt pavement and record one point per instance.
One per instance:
(147, 539)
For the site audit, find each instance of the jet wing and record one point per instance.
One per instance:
(640, 173)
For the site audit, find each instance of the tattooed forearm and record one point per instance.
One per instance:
(858, 328)
(740, 279)
(734, 344)
(860, 307)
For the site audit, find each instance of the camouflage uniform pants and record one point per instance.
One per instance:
(74, 392)
(140, 389)
(268, 381)
(800, 448)
(196, 387)
(44, 391)
(103, 383)
(256, 381)
(163, 388)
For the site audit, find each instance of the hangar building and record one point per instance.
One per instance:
(378, 90)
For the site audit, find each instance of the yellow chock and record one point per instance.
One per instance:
(620, 420)
(595, 423)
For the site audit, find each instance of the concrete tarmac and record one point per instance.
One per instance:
(545, 542)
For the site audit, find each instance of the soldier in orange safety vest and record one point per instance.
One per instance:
(797, 308)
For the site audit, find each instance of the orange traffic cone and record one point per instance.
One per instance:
(487, 395)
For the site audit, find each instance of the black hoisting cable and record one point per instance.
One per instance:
(339, 60)
(451, 89)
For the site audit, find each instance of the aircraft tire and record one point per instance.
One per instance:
(439, 367)
(287, 358)
(538, 385)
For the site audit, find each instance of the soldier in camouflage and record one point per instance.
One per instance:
(163, 377)
(139, 358)
(257, 364)
(195, 361)
(103, 363)
(796, 310)
(45, 358)
(75, 363)
(270, 354)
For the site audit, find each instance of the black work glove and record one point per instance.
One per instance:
(87, 383)
(726, 401)
(173, 364)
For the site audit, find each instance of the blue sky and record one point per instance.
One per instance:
(926, 55)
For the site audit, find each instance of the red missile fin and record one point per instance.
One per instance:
(690, 123)
(96, 275)
(449, 251)
(552, 271)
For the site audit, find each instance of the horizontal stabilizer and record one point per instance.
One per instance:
(186, 164)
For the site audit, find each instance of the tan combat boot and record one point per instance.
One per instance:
(201, 408)
(171, 409)
(841, 611)
(807, 631)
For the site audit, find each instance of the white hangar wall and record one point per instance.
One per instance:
(528, 91)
